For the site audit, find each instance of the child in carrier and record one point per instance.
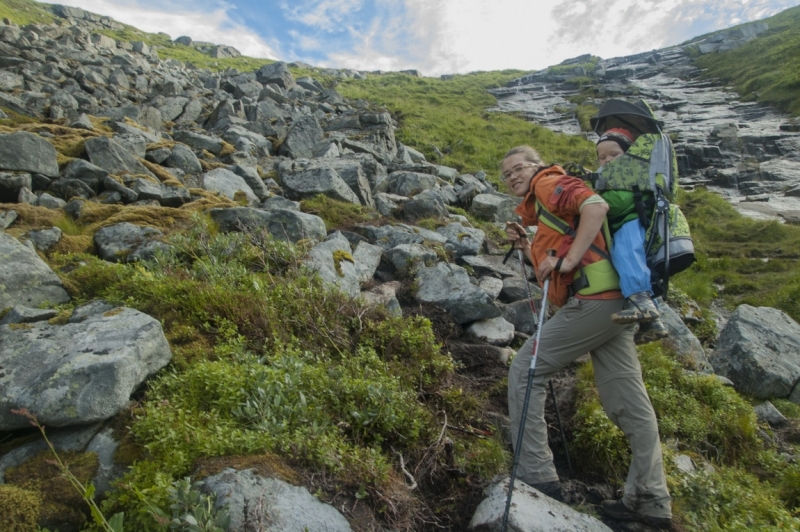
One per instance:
(628, 249)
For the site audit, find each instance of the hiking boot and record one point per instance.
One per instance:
(650, 331)
(638, 307)
(551, 489)
(617, 510)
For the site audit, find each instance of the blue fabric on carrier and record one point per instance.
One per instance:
(627, 255)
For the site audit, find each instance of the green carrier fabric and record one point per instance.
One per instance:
(597, 277)
(649, 164)
(669, 248)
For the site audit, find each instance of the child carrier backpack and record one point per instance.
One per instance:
(648, 169)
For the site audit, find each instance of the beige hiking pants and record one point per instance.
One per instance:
(583, 326)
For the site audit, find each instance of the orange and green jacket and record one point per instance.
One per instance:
(562, 195)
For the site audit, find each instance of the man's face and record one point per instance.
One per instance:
(608, 151)
(517, 173)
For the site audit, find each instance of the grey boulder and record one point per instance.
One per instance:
(304, 134)
(228, 184)
(315, 180)
(25, 279)
(462, 240)
(334, 262)
(759, 350)
(78, 373)
(531, 511)
(27, 152)
(126, 242)
(271, 505)
(282, 224)
(184, 158)
(682, 341)
(112, 157)
(495, 331)
(494, 207)
(448, 286)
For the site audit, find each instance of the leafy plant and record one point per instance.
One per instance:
(192, 511)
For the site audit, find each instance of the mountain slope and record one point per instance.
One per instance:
(766, 69)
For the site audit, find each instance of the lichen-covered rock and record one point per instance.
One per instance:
(230, 185)
(462, 240)
(494, 207)
(682, 340)
(315, 180)
(495, 331)
(25, 279)
(304, 134)
(334, 262)
(78, 373)
(271, 505)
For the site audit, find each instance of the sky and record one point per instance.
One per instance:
(435, 36)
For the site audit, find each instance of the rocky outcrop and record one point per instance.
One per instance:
(736, 148)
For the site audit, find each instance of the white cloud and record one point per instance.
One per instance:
(443, 36)
(323, 14)
(209, 23)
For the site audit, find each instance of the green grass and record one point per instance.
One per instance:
(22, 12)
(749, 488)
(451, 114)
(740, 260)
(268, 360)
(767, 69)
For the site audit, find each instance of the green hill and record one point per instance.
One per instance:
(767, 69)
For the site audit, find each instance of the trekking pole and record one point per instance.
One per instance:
(531, 373)
(536, 323)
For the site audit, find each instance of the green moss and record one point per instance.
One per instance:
(338, 257)
(19, 509)
(61, 503)
(336, 214)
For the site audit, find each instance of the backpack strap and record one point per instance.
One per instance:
(554, 222)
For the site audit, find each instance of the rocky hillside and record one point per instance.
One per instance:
(243, 279)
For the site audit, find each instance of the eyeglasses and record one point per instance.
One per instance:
(516, 171)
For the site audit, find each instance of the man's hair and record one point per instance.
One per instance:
(530, 154)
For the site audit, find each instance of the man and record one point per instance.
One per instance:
(585, 286)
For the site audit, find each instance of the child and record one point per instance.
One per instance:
(628, 250)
